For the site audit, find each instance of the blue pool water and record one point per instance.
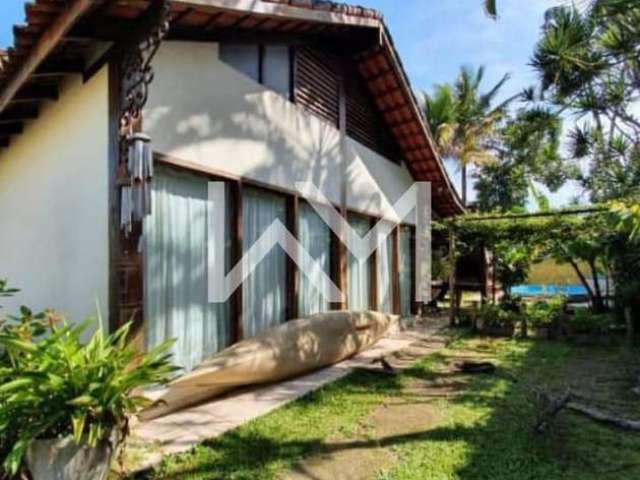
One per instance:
(548, 290)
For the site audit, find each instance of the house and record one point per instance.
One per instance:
(257, 94)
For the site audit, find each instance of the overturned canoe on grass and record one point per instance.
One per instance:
(283, 352)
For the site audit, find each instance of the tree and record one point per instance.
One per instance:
(464, 120)
(491, 8)
(589, 65)
(501, 187)
(527, 148)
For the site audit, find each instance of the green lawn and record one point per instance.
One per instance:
(481, 428)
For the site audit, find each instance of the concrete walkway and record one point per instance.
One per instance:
(181, 431)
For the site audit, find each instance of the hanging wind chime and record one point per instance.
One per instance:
(135, 171)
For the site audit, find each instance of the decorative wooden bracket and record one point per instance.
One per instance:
(137, 73)
(135, 170)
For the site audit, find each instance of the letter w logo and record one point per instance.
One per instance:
(221, 286)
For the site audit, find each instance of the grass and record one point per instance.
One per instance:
(483, 431)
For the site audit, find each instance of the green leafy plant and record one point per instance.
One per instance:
(585, 321)
(544, 313)
(59, 386)
(498, 317)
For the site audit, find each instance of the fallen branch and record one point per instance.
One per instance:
(553, 406)
(604, 417)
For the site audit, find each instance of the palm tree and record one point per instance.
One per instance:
(491, 8)
(464, 120)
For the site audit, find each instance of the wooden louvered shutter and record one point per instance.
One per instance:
(317, 84)
(365, 122)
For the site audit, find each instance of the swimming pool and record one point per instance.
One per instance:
(548, 290)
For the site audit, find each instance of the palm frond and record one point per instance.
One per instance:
(491, 9)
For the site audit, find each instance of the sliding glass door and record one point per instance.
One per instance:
(406, 270)
(264, 291)
(359, 272)
(175, 270)
(315, 237)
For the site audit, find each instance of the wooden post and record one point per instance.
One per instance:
(416, 307)
(395, 271)
(453, 290)
(237, 231)
(293, 274)
(373, 275)
(114, 198)
(494, 292)
(339, 270)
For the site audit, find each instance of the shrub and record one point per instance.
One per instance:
(54, 385)
(497, 316)
(585, 321)
(544, 313)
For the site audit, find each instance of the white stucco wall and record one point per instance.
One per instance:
(201, 110)
(54, 204)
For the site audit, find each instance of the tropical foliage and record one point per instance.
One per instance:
(605, 240)
(464, 120)
(54, 385)
(588, 61)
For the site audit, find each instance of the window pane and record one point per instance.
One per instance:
(242, 57)
(175, 270)
(264, 291)
(385, 272)
(315, 238)
(276, 73)
(406, 271)
(358, 271)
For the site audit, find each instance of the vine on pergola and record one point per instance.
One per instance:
(593, 240)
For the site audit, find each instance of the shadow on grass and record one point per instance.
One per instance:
(488, 433)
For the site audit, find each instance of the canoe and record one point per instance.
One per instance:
(283, 352)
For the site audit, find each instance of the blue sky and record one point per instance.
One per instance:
(434, 38)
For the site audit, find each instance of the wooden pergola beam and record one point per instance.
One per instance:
(44, 46)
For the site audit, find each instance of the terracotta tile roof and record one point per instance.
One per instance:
(335, 7)
(381, 66)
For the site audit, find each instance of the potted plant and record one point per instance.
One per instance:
(66, 404)
(496, 320)
(545, 316)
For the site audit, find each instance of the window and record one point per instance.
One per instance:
(175, 269)
(269, 65)
(385, 274)
(264, 291)
(244, 58)
(276, 70)
(315, 237)
(359, 272)
(406, 270)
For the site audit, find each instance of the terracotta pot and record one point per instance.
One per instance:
(62, 459)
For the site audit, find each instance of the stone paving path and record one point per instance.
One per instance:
(181, 431)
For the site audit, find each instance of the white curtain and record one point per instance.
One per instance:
(385, 271)
(264, 291)
(314, 236)
(406, 280)
(175, 270)
(358, 271)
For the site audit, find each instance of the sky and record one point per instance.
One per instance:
(436, 37)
